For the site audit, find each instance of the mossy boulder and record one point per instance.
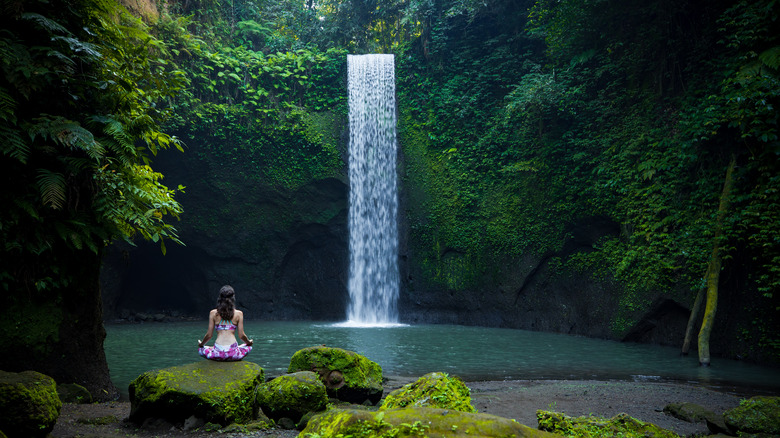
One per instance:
(217, 392)
(689, 412)
(292, 396)
(757, 415)
(433, 390)
(348, 376)
(73, 393)
(29, 404)
(620, 425)
(415, 422)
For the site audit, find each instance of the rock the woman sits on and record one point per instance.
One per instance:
(227, 321)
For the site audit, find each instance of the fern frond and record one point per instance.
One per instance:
(52, 188)
(771, 57)
(28, 208)
(78, 164)
(68, 61)
(118, 140)
(82, 48)
(12, 143)
(7, 106)
(47, 24)
(68, 133)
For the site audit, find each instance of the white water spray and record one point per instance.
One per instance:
(373, 197)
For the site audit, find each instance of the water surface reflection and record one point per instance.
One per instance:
(473, 353)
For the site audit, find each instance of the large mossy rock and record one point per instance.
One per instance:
(433, 390)
(29, 404)
(415, 422)
(757, 415)
(292, 396)
(217, 392)
(620, 425)
(348, 376)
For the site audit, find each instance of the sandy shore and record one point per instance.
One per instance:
(518, 399)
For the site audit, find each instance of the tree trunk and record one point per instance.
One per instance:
(713, 270)
(59, 332)
(692, 321)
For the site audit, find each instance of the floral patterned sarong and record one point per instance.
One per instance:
(223, 353)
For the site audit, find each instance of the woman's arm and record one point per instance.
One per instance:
(241, 334)
(210, 330)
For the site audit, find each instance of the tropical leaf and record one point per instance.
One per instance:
(52, 188)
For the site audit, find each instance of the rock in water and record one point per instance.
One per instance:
(757, 415)
(348, 376)
(412, 422)
(29, 404)
(217, 392)
(433, 390)
(292, 396)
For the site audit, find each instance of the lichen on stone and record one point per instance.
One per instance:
(435, 390)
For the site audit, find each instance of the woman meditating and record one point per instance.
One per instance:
(226, 319)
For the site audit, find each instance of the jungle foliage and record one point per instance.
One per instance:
(517, 119)
(82, 95)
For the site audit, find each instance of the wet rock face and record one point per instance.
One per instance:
(284, 251)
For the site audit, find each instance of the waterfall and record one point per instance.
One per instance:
(373, 196)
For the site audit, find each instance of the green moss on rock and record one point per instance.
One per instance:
(292, 395)
(620, 425)
(689, 412)
(757, 415)
(348, 376)
(434, 390)
(29, 404)
(218, 392)
(414, 422)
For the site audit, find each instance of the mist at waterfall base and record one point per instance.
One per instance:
(373, 197)
(472, 353)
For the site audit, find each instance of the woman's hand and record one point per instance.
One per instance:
(249, 342)
(200, 343)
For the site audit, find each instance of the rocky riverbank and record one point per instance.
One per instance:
(517, 399)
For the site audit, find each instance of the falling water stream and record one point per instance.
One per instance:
(373, 197)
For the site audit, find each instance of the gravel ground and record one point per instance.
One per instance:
(518, 399)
